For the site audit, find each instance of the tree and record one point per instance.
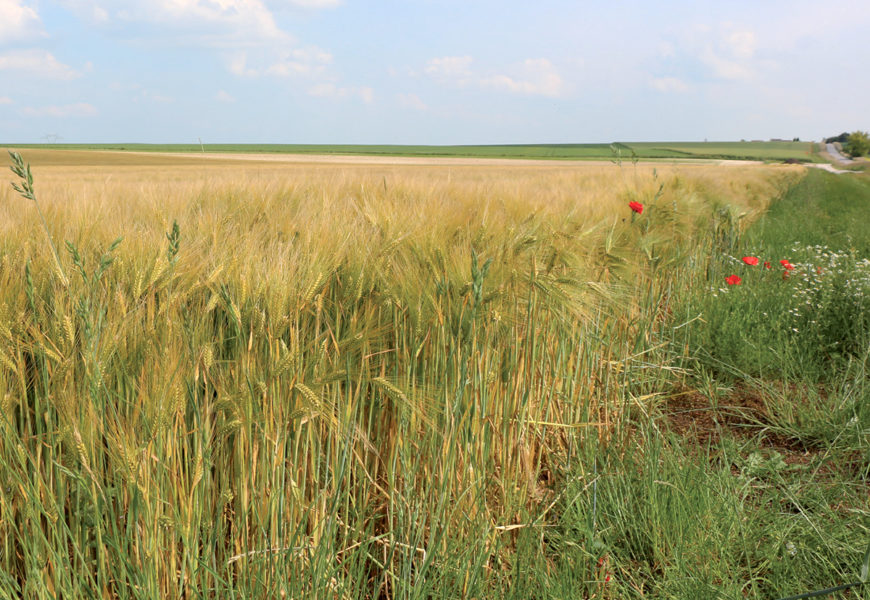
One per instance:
(838, 138)
(858, 143)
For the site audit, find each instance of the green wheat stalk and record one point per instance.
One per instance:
(25, 188)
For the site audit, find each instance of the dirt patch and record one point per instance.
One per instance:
(689, 414)
(741, 414)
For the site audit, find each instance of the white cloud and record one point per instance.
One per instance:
(669, 84)
(238, 65)
(330, 90)
(233, 21)
(80, 109)
(18, 22)
(287, 68)
(299, 61)
(244, 34)
(286, 63)
(534, 76)
(450, 68)
(221, 24)
(667, 50)
(740, 43)
(223, 96)
(316, 3)
(726, 68)
(725, 52)
(730, 55)
(138, 93)
(198, 23)
(157, 98)
(36, 62)
(411, 101)
(327, 90)
(99, 14)
(92, 11)
(5, 100)
(89, 10)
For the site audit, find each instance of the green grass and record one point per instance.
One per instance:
(752, 480)
(772, 151)
(790, 323)
(735, 519)
(800, 151)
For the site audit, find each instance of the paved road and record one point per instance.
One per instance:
(832, 150)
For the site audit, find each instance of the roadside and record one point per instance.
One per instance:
(752, 480)
(835, 154)
(831, 153)
(830, 168)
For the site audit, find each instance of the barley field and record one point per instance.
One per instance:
(269, 379)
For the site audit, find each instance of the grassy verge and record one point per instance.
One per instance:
(805, 318)
(752, 480)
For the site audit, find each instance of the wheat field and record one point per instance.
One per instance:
(331, 381)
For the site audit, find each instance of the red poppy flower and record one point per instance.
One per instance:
(750, 260)
(607, 579)
(766, 265)
(733, 280)
(788, 266)
(636, 207)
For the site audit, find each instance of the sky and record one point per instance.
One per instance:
(431, 72)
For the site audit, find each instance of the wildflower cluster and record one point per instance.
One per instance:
(753, 261)
(830, 300)
(826, 300)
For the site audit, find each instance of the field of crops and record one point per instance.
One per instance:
(800, 151)
(267, 380)
(765, 151)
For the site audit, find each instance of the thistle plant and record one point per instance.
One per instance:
(25, 188)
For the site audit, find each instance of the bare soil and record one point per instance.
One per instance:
(741, 414)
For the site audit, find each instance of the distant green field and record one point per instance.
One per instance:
(771, 151)
(802, 151)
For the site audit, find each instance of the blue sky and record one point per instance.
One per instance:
(427, 72)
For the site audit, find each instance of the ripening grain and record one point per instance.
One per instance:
(349, 381)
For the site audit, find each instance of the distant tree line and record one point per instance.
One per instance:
(856, 143)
